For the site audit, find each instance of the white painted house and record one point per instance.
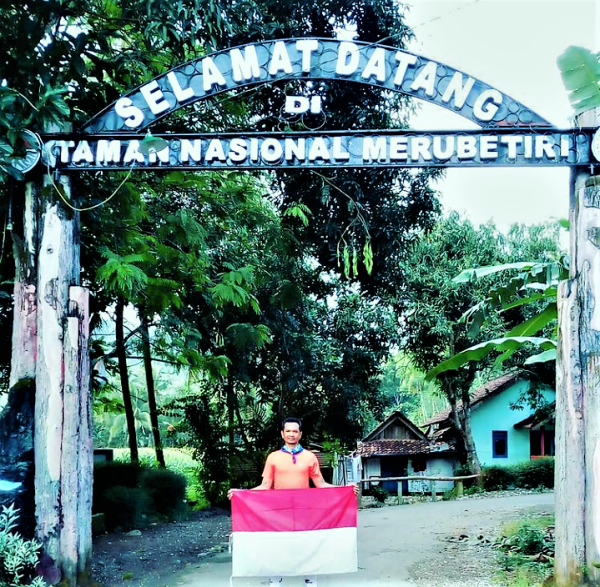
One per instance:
(397, 448)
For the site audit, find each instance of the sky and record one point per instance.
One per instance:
(511, 45)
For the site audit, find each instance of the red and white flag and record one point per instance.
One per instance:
(290, 532)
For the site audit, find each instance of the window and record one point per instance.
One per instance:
(541, 443)
(500, 444)
(419, 464)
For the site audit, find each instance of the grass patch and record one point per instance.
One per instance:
(509, 529)
(177, 460)
(527, 552)
(520, 572)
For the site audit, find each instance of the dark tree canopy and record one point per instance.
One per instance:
(239, 287)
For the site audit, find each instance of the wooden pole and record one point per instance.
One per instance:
(24, 339)
(58, 269)
(459, 488)
(569, 479)
(577, 477)
(63, 450)
(77, 451)
(17, 407)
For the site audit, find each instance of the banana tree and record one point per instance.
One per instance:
(534, 286)
(580, 72)
(537, 283)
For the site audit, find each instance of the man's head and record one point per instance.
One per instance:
(291, 431)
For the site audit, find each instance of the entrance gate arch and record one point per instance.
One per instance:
(311, 59)
(115, 139)
(510, 133)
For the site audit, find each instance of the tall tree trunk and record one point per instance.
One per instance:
(465, 419)
(77, 468)
(569, 475)
(462, 421)
(62, 436)
(577, 472)
(160, 457)
(230, 394)
(124, 376)
(241, 427)
(17, 407)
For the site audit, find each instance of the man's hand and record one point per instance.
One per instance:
(355, 485)
(230, 493)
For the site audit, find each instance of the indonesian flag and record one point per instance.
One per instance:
(289, 532)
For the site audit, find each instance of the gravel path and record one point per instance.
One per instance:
(441, 544)
(151, 557)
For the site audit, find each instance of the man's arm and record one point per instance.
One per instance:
(320, 482)
(317, 479)
(267, 480)
(266, 484)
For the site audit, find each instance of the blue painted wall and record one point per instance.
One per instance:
(494, 413)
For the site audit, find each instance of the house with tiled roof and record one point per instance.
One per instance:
(502, 435)
(398, 448)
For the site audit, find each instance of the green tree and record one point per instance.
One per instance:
(407, 390)
(529, 294)
(62, 62)
(437, 303)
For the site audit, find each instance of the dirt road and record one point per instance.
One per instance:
(407, 546)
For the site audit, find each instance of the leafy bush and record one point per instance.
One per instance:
(495, 477)
(133, 496)
(530, 540)
(18, 556)
(107, 476)
(126, 508)
(535, 473)
(177, 460)
(379, 493)
(521, 542)
(166, 491)
(450, 494)
(528, 475)
(461, 470)
(475, 490)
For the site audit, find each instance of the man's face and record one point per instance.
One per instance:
(291, 434)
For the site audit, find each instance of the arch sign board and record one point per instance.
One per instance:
(510, 133)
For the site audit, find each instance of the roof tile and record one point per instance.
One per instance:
(399, 447)
(479, 394)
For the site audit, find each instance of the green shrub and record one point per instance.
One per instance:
(109, 475)
(461, 470)
(475, 490)
(132, 496)
(166, 491)
(450, 494)
(528, 475)
(530, 540)
(18, 556)
(535, 473)
(177, 460)
(126, 508)
(495, 477)
(379, 493)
